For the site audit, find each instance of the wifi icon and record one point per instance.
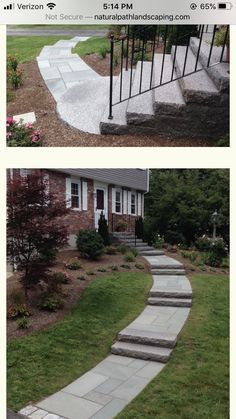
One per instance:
(51, 5)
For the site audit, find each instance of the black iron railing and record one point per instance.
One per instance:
(143, 45)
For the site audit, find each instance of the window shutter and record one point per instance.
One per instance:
(68, 192)
(85, 195)
(129, 202)
(139, 204)
(113, 200)
(125, 196)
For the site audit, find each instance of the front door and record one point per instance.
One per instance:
(100, 202)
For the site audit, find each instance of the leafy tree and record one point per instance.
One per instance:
(103, 230)
(35, 231)
(181, 202)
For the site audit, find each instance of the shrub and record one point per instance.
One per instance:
(158, 241)
(111, 250)
(61, 277)
(129, 257)
(81, 278)
(50, 301)
(101, 269)
(122, 248)
(103, 230)
(135, 252)
(139, 228)
(73, 265)
(12, 62)
(212, 259)
(203, 243)
(125, 266)
(22, 135)
(139, 266)
(90, 244)
(14, 77)
(113, 267)
(47, 255)
(138, 57)
(18, 310)
(90, 273)
(23, 323)
(103, 51)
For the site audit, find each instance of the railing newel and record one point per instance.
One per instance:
(111, 77)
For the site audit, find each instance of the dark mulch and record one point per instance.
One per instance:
(42, 319)
(34, 96)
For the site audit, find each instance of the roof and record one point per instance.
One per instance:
(130, 178)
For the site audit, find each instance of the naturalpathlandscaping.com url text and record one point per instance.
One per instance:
(144, 17)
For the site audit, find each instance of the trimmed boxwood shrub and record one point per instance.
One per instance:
(90, 244)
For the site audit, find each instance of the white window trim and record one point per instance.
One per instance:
(78, 182)
(135, 195)
(121, 201)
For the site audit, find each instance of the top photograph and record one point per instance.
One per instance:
(118, 85)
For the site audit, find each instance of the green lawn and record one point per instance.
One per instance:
(92, 45)
(45, 362)
(194, 383)
(72, 27)
(27, 48)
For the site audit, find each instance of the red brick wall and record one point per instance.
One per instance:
(75, 220)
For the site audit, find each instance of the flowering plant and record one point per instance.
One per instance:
(19, 135)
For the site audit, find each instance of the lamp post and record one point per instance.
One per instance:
(214, 220)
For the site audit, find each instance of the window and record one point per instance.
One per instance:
(118, 201)
(133, 203)
(25, 172)
(74, 195)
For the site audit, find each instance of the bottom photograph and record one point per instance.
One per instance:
(117, 293)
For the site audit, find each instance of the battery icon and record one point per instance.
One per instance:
(225, 6)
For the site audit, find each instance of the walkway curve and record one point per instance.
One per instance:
(78, 90)
(106, 389)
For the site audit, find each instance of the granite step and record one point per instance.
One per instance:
(168, 271)
(170, 302)
(146, 352)
(218, 73)
(140, 108)
(118, 124)
(197, 87)
(171, 294)
(153, 252)
(146, 337)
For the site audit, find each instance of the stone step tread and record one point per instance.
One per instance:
(141, 351)
(118, 124)
(145, 337)
(218, 73)
(198, 85)
(166, 266)
(169, 97)
(170, 294)
(168, 271)
(172, 302)
(141, 106)
(151, 252)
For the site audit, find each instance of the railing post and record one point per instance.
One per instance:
(127, 52)
(111, 77)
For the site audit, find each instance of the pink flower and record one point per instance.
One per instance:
(36, 132)
(10, 121)
(9, 134)
(29, 125)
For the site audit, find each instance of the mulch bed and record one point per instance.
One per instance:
(39, 319)
(34, 96)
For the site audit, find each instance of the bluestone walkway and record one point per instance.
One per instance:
(81, 94)
(106, 389)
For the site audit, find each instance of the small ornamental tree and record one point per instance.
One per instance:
(35, 231)
(103, 230)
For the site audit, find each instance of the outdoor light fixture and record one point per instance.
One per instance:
(214, 219)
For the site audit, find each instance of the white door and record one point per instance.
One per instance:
(100, 202)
